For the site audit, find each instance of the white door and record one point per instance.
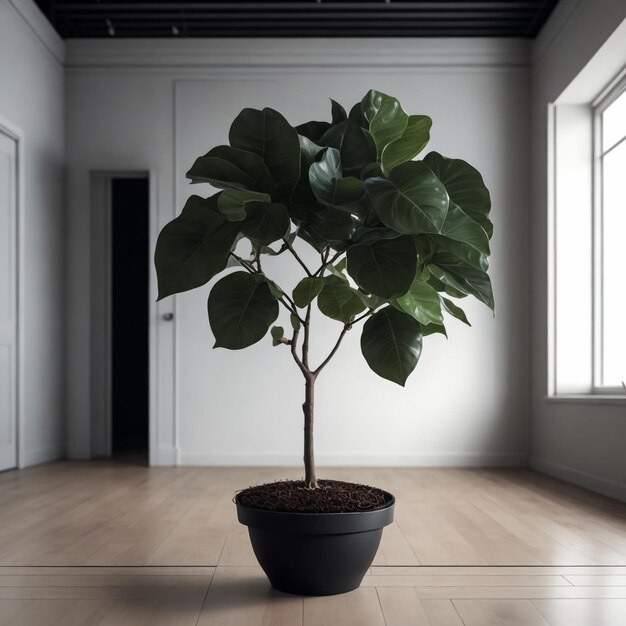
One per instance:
(8, 303)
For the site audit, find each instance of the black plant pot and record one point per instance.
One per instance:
(315, 554)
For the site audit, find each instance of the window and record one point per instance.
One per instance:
(609, 306)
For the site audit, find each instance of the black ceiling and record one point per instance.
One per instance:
(306, 18)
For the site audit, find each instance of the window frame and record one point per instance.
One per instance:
(609, 95)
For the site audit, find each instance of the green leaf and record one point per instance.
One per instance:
(278, 332)
(355, 146)
(431, 329)
(268, 134)
(313, 130)
(466, 279)
(391, 344)
(387, 121)
(266, 223)
(463, 229)
(465, 187)
(385, 268)
(241, 309)
(307, 290)
(422, 302)
(225, 167)
(454, 310)
(308, 149)
(232, 203)
(339, 301)
(295, 321)
(194, 247)
(413, 140)
(275, 290)
(370, 301)
(331, 224)
(338, 112)
(412, 200)
(328, 183)
(356, 115)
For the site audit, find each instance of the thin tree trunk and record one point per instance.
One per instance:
(310, 477)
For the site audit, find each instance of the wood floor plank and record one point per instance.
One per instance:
(110, 514)
(496, 571)
(499, 613)
(595, 580)
(441, 612)
(242, 596)
(360, 607)
(19, 570)
(526, 593)
(582, 612)
(465, 581)
(402, 607)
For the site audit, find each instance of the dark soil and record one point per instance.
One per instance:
(333, 496)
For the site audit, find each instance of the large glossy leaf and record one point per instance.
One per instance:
(422, 302)
(307, 290)
(391, 344)
(232, 203)
(241, 309)
(194, 247)
(265, 223)
(413, 140)
(385, 268)
(338, 112)
(464, 278)
(412, 200)
(355, 146)
(454, 310)
(268, 134)
(387, 121)
(461, 228)
(331, 224)
(465, 187)
(225, 167)
(338, 300)
(313, 130)
(328, 183)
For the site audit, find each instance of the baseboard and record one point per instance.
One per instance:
(166, 456)
(593, 482)
(504, 459)
(41, 455)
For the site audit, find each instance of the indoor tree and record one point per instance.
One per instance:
(397, 238)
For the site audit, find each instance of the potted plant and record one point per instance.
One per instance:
(395, 239)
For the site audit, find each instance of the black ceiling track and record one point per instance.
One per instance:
(312, 18)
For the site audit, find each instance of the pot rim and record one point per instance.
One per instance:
(316, 523)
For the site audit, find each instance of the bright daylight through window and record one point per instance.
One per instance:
(610, 240)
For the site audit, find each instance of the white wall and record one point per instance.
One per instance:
(32, 100)
(155, 105)
(578, 440)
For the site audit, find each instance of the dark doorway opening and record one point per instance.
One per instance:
(130, 201)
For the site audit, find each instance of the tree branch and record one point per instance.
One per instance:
(346, 328)
(320, 270)
(305, 343)
(295, 254)
(294, 354)
(244, 263)
(358, 319)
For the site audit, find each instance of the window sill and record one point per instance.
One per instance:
(587, 398)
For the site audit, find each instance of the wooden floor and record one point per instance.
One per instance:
(106, 543)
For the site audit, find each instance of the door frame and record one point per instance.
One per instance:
(16, 134)
(100, 314)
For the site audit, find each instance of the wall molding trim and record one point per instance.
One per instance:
(469, 459)
(289, 53)
(40, 27)
(593, 482)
